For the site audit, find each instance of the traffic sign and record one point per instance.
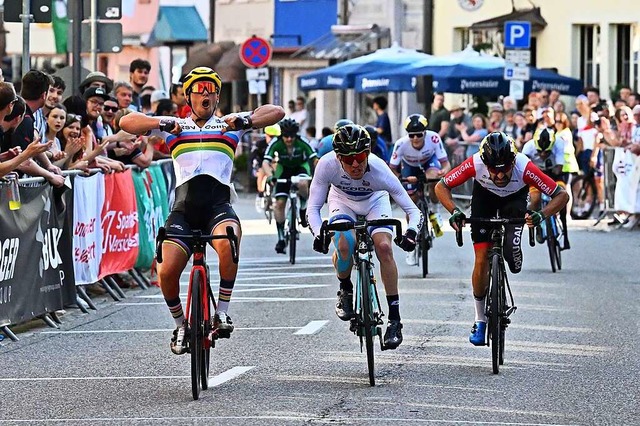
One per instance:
(257, 74)
(40, 9)
(257, 87)
(517, 35)
(255, 52)
(515, 72)
(107, 9)
(522, 57)
(516, 89)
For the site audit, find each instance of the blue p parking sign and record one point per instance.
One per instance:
(517, 35)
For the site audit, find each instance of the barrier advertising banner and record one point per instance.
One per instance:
(626, 167)
(88, 193)
(147, 213)
(35, 260)
(119, 224)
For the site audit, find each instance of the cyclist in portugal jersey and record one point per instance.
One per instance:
(358, 184)
(502, 180)
(202, 147)
(420, 152)
(295, 157)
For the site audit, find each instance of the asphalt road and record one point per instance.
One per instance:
(571, 352)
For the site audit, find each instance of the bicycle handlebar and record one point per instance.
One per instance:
(230, 235)
(420, 178)
(294, 179)
(494, 221)
(347, 226)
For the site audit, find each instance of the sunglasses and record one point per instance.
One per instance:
(108, 108)
(202, 86)
(416, 135)
(350, 159)
(289, 135)
(502, 169)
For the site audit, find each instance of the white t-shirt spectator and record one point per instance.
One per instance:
(302, 118)
(587, 133)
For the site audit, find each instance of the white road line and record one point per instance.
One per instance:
(156, 330)
(273, 287)
(44, 379)
(514, 326)
(242, 300)
(312, 328)
(228, 375)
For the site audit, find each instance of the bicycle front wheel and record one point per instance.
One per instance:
(552, 242)
(206, 346)
(559, 234)
(195, 338)
(367, 321)
(293, 231)
(425, 245)
(495, 315)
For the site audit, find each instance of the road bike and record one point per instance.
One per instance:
(292, 215)
(367, 322)
(497, 308)
(201, 304)
(552, 230)
(427, 234)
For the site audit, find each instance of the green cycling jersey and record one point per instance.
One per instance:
(299, 155)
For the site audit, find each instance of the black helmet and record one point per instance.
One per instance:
(373, 133)
(351, 139)
(289, 127)
(415, 123)
(340, 123)
(497, 150)
(544, 139)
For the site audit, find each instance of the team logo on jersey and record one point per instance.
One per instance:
(365, 183)
(435, 139)
(395, 155)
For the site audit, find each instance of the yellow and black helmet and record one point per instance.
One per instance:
(201, 73)
(416, 123)
(544, 139)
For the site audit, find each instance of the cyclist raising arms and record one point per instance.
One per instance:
(502, 177)
(420, 152)
(202, 147)
(547, 153)
(295, 157)
(359, 184)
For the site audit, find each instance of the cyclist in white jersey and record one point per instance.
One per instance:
(359, 184)
(420, 152)
(202, 147)
(502, 180)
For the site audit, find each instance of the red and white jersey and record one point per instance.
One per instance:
(404, 151)
(525, 173)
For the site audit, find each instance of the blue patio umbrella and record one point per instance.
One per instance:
(463, 72)
(342, 75)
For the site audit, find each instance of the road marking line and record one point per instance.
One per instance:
(243, 300)
(156, 330)
(273, 288)
(43, 379)
(514, 326)
(313, 327)
(228, 375)
(306, 418)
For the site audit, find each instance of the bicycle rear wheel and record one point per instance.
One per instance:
(368, 323)
(551, 243)
(584, 194)
(195, 338)
(559, 234)
(495, 314)
(293, 231)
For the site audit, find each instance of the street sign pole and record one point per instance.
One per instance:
(26, 23)
(76, 43)
(94, 35)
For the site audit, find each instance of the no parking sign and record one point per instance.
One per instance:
(255, 52)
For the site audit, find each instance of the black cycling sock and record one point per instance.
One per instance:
(280, 228)
(394, 307)
(346, 284)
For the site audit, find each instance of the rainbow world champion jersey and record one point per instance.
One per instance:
(204, 150)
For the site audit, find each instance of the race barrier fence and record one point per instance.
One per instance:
(61, 239)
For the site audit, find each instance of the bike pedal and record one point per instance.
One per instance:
(353, 326)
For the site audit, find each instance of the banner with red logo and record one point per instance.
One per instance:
(88, 194)
(119, 224)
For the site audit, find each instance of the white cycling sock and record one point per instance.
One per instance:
(480, 316)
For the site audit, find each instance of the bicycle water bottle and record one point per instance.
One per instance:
(435, 224)
(13, 192)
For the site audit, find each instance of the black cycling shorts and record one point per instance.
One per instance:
(200, 203)
(282, 189)
(486, 204)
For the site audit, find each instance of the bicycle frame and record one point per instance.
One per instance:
(292, 214)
